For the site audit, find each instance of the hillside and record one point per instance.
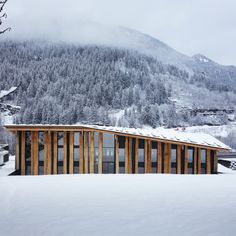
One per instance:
(61, 83)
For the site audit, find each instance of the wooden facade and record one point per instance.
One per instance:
(49, 150)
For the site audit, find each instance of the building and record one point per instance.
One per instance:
(72, 149)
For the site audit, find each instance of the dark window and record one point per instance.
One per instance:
(108, 162)
(28, 153)
(154, 157)
(190, 160)
(203, 161)
(41, 153)
(60, 153)
(173, 159)
(121, 154)
(141, 156)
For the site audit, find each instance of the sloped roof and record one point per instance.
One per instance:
(170, 135)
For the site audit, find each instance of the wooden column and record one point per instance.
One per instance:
(23, 153)
(136, 155)
(71, 160)
(178, 159)
(130, 156)
(159, 158)
(195, 160)
(45, 159)
(208, 161)
(117, 154)
(18, 143)
(91, 162)
(65, 167)
(185, 159)
(126, 155)
(47, 153)
(150, 156)
(81, 153)
(215, 162)
(86, 152)
(169, 157)
(145, 156)
(166, 158)
(100, 152)
(55, 153)
(34, 153)
(199, 165)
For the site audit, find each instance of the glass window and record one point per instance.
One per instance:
(190, 160)
(60, 153)
(173, 159)
(121, 154)
(108, 154)
(203, 161)
(41, 153)
(28, 152)
(76, 152)
(154, 157)
(141, 169)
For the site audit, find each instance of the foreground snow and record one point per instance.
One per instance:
(118, 205)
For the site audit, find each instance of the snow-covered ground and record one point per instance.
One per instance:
(118, 205)
(216, 131)
(8, 167)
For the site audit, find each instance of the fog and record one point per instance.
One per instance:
(203, 26)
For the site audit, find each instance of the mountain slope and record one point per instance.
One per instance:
(92, 33)
(61, 83)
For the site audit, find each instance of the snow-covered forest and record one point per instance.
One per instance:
(62, 83)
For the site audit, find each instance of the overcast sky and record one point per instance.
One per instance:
(196, 26)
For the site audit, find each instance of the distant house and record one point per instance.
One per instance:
(73, 149)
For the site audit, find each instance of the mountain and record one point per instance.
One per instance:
(93, 33)
(120, 77)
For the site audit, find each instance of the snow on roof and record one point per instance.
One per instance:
(4, 93)
(184, 137)
(167, 134)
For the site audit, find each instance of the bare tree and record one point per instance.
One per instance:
(4, 16)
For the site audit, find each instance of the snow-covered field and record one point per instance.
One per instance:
(118, 205)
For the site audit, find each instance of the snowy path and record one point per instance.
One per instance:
(118, 205)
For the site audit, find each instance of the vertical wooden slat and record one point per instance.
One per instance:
(178, 158)
(100, 152)
(81, 153)
(55, 153)
(71, 159)
(17, 160)
(34, 153)
(169, 158)
(166, 158)
(136, 155)
(126, 155)
(130, 156)
(159, 156)
(195, 160)
(32, 150)
(91, 162)
(65, 153)
(86, 149)
(117, 154)
(45, 152)
(50, 152)
(23, 153)
(186, 160)
(149, 156)
(199, 167)
(145, 156)
(208, 161)
(215, 162)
